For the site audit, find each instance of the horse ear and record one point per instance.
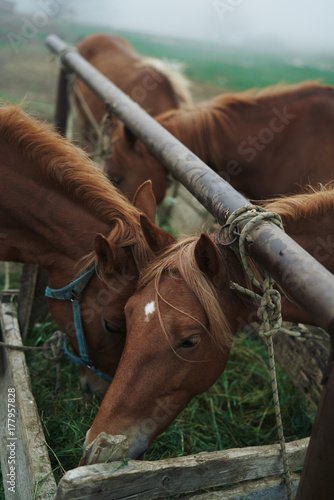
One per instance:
(144, 200)
(207, 259)
(156, 238)
(108, 254)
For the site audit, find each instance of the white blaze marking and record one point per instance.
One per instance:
(149, 309)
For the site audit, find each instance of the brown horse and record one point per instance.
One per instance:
(154, 84)
(265, 144)
(60, 212)
(181, 322)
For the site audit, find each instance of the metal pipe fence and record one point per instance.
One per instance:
(300, 275)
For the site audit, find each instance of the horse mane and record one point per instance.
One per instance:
(313, 201)
(173, 71)
(70, 167)
(179, 262)
(280, 89)
(196, 126)
(65, 165)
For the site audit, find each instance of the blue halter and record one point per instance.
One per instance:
(73, 292)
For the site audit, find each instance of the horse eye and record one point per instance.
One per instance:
(110, 328)
(190, 342)
(117, 181)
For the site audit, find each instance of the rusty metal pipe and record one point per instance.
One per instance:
(212, 191)
(273, 249)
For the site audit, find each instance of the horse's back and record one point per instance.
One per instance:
(110, 45)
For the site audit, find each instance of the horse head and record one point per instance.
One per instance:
(179, 333)
(131, 164)
(92, 314)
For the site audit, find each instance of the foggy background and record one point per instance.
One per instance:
(266, 24)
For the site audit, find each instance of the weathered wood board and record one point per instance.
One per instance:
(32, 304)
(24, 456)
(272, 488)
(150, 480)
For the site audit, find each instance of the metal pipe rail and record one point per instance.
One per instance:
(300, 275)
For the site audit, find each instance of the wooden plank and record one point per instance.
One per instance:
(24, 456)
(33, 306)
(272, 488)
(150, 480)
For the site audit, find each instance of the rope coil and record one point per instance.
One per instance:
(269, 310)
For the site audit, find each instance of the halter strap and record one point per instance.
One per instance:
(73, 292)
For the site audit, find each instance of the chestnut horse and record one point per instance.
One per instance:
(181, 322)
(264, 144)
(154, 84)
(60, 212)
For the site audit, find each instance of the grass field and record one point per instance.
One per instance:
(27, 72)
(238, 410)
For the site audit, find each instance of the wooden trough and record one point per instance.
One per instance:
(255, 472)
(25, 463)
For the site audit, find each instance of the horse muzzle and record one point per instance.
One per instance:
(108, 448)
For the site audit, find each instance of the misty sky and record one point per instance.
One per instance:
(286, 23)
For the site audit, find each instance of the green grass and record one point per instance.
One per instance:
(237, 68)
(66, 415)
(236, 412)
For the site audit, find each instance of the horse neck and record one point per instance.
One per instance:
(40, 223)
(219, 131)
(188, 125)
(209, 130)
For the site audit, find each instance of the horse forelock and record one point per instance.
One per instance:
(64, 164)
(178, 262)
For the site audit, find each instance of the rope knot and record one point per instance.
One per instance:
(55, 344)
(269, 310)
(269, 313)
